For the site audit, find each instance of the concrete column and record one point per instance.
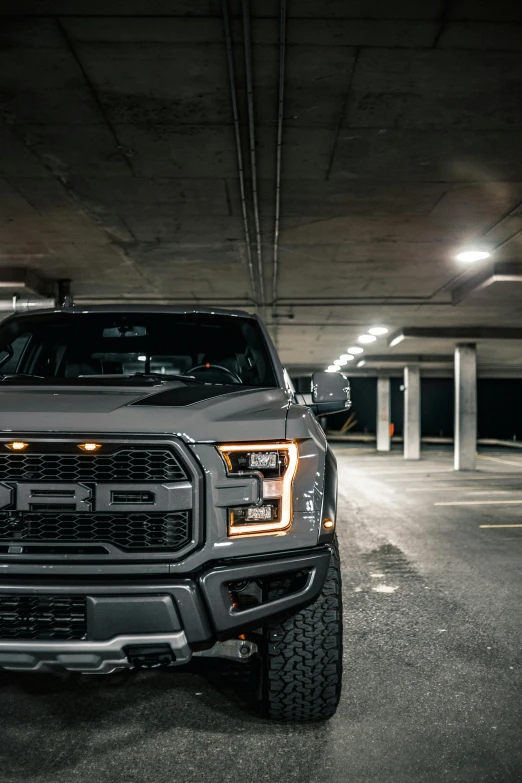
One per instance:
(412, 432)
(383, 414)
(465, 407)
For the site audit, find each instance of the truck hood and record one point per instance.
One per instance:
(193, 412)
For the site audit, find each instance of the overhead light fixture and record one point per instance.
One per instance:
(333, 368)
(472, 255)
(142, 358)
(355, 349)
(397, 340)
(339, 362)
(346, 357)
(378, 330)
(367, 338)
(361, 363)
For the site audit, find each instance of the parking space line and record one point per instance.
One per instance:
(497, 459)
(411, 472)
(492, 489)
(484, 477)
(357, 451)
(479, 503)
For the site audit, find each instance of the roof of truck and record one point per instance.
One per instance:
(137, 308)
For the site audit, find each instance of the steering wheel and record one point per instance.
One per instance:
(235, 377)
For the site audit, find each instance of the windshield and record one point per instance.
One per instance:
(210, 348)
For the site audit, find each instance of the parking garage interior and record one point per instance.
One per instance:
(351, 172)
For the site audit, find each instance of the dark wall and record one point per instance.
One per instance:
(437, 406)
(499, 407)
(364, 405)
(499, 411)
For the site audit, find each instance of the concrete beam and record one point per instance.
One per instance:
(383, 414)
(500, 272)
(412, 411)
(472, 333)
(392, 360)
(465, 407)
(24, 281)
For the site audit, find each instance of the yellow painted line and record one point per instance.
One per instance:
(479, 503)
(504, 461)
(490, 526)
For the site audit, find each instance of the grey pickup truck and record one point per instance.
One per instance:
(164, 494)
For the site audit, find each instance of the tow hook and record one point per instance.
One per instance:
(150, 656)
(232, 649)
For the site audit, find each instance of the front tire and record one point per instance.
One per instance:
(302, 658)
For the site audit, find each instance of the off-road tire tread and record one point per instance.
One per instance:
(303, 657)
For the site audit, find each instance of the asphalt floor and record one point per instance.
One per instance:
(432, 688)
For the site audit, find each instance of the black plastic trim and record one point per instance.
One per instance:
(202, 601)
(124, 615)
(228, 619)
(329, 507)
(184, 593)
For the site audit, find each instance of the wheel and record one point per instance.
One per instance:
(302, 657)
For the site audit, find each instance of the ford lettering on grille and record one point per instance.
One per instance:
(64, 496)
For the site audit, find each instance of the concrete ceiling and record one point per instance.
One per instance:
(401, 142)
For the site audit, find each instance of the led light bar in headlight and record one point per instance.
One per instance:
(263, 459)
(277, 462)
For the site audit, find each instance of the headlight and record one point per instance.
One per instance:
(277, 462)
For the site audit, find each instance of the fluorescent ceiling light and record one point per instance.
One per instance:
(472, 255)
(142, 358)
(361, 363)
(346, 357)
(397, 340)
(332, 368)
(378, 330)
(355, 349)
(339, 362)
(367, 338)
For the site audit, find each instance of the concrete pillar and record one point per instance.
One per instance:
(412, 432)
(383, 414)
(465, 407)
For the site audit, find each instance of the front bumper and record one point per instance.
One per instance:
(187, 614)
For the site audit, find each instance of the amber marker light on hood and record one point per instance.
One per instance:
(276, 514)
(90, 447)
(17, 445)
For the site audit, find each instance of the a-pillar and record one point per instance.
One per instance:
(465, 407)
(383, 414)
(412, 409)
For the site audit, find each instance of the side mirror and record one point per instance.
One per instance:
(330, 392)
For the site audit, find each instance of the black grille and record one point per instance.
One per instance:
(122, 465)
(42, 617)
(135, 530)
